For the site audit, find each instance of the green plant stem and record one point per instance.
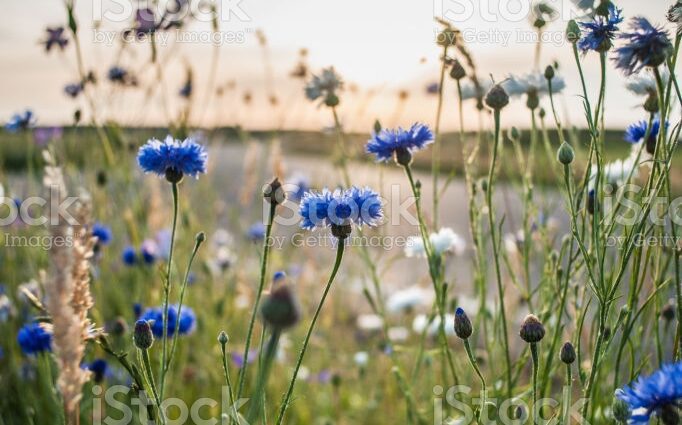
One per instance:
(197, 244)
(228, 382)
(167, 290)
(496, 253)
(474, 364)
(256, 305)
(435, 154)
(264, 373)
(536, 366)
(311, 328)
(146, 363)
(567, 400)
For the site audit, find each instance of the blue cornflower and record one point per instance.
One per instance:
(137, 310)
(599, 33)
(647, 46)
(21, 121)
(340, 209)
(279, 275)
(149, 250)
(117, 74)
(102, 233)
(33, 339)
(326, 85)
(656, 394)
(129, 256)
(99, 369)
(635, 133)
(173, 158)
(155, 315)
(399, 143)
(256, 232)
(73, 90)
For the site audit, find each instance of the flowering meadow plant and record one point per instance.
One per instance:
(469, 243)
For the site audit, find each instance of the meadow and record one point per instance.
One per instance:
(399, 275)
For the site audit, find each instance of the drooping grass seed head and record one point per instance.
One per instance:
(142, 335)
(497, 97)
(567, 354)
(565, 154)
(463, 327)
(280, 309)
(532, 331)
(457, 71)
(274, 193)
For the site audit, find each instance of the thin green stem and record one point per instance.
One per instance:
(228, 382)
(311, 328)
(256, 305)
(435, 154)
(147, 366)
(263, 375)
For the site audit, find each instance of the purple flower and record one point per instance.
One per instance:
(55, 37)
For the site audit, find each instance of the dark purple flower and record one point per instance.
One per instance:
(55, 37)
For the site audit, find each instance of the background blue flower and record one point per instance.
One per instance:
(187, 157)
(648, 395)
(384, 144)
(33, 339)
(155, 314)
(645, 45)
(354, 205)
(598, 35)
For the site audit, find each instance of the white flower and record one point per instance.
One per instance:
(369, 322)
(644, 83)
(361, 358)
(221, 237)
(616, 172)
(398, 334)
(470, 91)
(446, 240)
(421, 321)
(518, 85)
(408, 298)
(6, 308)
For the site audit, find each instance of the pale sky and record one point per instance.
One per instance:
(377, 45)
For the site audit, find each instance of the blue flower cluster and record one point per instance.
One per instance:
(646, 46)
(33, 339)
(388, 143)
(635, 132)
(102, 233)
(599, 33)
(155, 317)
(340, 207)
(21, 121)
(185, 157)
(652, 394)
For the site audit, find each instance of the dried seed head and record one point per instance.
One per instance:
(532, 330)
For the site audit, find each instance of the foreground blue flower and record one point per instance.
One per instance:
(102, 233)
(173, 158)
(340, 208)
(635, 132)
(33, 339)
(646, 46)
(656, 394)
(21, 121)
(154, 315)
(598, 35)
(399, 143)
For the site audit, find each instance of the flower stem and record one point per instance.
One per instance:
(496, 253)
(290, 390)
(536, 366)
(228, 382)
(263, 375)
(167, 290)
(435, 155)
(261, 285)
(474, 364)
(146, 363)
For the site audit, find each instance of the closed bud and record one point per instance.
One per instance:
(200, 237)
(668, 312)
(142, 335)
(542, 113)
(223, 338)
(377, 126)
(273, 193)
(497, 97)
(651, 103)
(463, 327)
(331, 100)
(621, 410)
(514, 133)
(457, 71)
(573, 31)
(532, 331)
(280, 309)
(567, 354)
(565, 154)
(533, 100)
(549, 72)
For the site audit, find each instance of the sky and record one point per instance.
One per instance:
(380, 47)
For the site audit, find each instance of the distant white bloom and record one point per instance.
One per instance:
(398, 334)
(6, 308)
(518, 85)
(616, 172)
(421, 321)
(644, 83)
(222, 260)
(513, 242)
(361, 358)
(369, 322)
(408, 298)
(446, 240)
(303, 373)
(221, 237)
(470, 91)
